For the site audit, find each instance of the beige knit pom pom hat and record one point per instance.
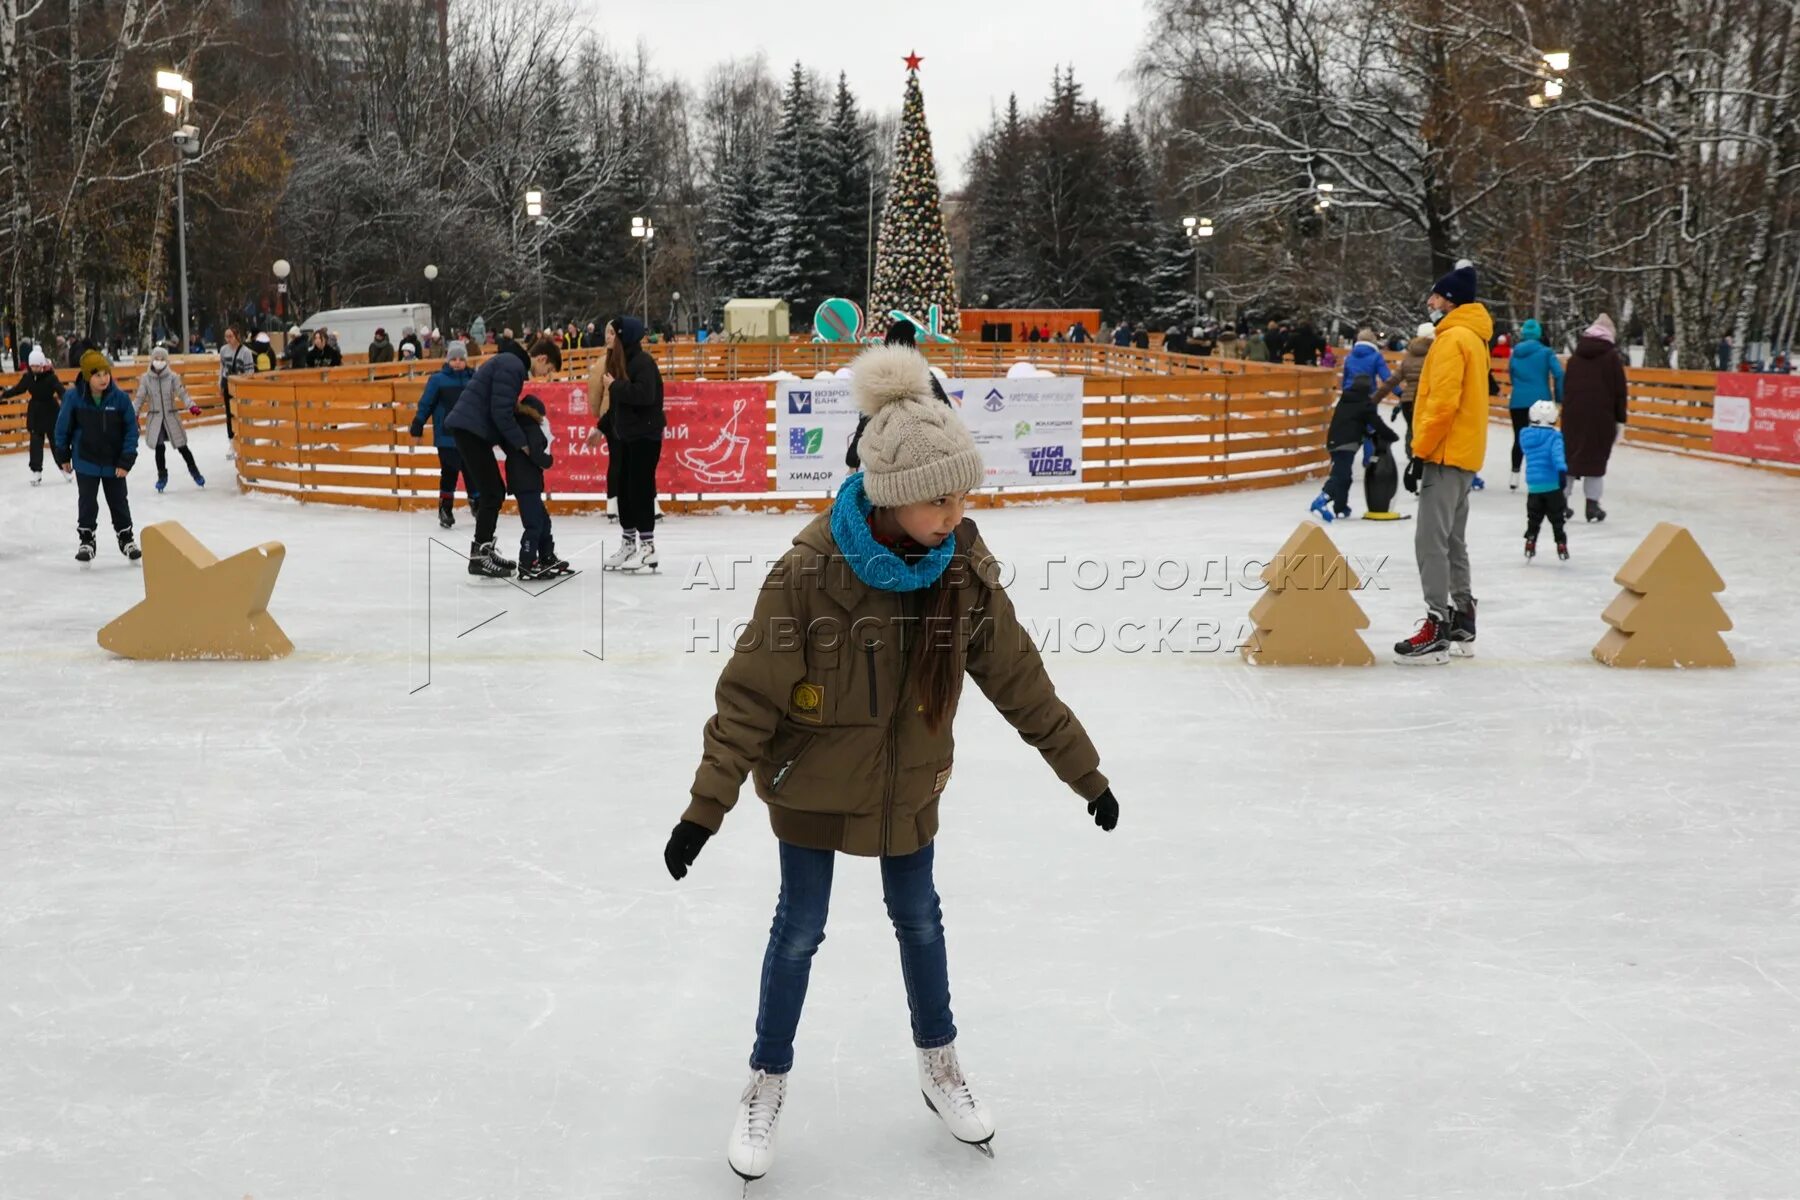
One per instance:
(915, 447)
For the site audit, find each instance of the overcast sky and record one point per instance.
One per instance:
(975, 51)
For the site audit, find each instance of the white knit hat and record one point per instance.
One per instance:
(37, 358)
(915, 447)
(1425, 330)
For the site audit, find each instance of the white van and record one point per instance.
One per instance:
(356, 327)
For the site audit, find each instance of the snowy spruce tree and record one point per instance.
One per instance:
(913, 267)
(1134, 249)
(733, 238)
(846, 234)
(996, 175)
(799, 208)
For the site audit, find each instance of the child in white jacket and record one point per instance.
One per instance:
(161, 395)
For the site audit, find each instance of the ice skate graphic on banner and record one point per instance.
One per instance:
(714, 463)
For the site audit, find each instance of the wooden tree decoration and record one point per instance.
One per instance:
(1668, 615)
(197, 606)
(1309, 617)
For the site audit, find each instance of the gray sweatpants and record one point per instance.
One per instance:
(1439, 540)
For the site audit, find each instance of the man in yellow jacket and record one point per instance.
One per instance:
(1449, 444)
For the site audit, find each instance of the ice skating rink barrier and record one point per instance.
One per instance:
(201, 374)
(1667, 410)
(1154, 426)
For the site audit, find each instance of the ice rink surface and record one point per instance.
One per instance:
(1520, 926)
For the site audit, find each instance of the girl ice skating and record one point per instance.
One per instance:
(161, 397)
(41, 384)
(848, 734)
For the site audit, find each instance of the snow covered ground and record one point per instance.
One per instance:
(1519, 926)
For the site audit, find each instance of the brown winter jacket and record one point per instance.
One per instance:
(815, 705)
(1594, 405)
(1405, 378)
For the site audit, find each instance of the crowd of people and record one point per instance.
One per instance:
(1566, 419)
(480, 419)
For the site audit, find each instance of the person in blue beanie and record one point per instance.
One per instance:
(436, 403)
(97, 439)
(1537, 374)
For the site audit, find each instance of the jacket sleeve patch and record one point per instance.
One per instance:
(808, 702)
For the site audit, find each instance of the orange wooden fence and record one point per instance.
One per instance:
(340, 436)
(200, 374)
(1665, 410)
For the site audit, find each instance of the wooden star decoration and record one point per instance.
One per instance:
(913, 60)
(198, 606)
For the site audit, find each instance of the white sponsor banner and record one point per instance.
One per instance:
(815, 420)
(1028, 430)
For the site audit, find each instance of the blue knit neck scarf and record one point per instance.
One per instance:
(874, 563)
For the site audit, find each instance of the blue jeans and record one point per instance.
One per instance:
(912, 904)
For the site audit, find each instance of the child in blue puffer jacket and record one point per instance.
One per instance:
(1365, 358)
(1546, 470)
(441, 393)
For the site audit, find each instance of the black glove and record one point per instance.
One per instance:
(418, 430)
(543, 460)
(1105, 810)
(684, 846)
(1415, 467)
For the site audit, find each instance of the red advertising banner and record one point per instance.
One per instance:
(1757, 416)
(716, 438)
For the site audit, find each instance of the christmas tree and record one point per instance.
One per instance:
(913, 269)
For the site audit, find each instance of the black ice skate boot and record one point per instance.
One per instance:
(485, 563)
(1428, 645)
(1462, 632)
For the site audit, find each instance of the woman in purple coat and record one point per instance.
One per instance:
(1593, 418)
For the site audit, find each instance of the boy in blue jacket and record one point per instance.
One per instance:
(1536, 374)
(1546, 469)
(97, 439)
(525, 479)
(441, 392)
(1365, 358)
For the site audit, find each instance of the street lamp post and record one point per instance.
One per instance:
(282, 269)
(674, 312)
(431, 274)
(534, 208)
(1197, 228)
(178, 99)
(643, 231)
